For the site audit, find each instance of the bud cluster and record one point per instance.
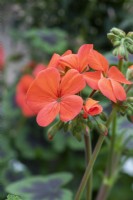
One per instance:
(122, 42)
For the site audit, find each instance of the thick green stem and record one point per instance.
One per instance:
(106, 187)
(120, 64)
(112, 146)
(88, 153)
(89, 167)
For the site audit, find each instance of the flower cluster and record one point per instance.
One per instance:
(57, 89)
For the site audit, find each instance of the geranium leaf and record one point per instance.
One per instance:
(43, 188)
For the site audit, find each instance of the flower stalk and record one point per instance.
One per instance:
(89, 167)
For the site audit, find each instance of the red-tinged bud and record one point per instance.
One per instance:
(53, 130)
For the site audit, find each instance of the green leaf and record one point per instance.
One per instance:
(43, 188)
(13, 197)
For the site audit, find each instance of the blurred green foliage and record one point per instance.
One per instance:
(24, 147)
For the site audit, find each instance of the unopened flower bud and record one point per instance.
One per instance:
(114, 39)
(122, 52)
(102, 129)
(118, 32)
(129, 73)
(54, 129)
(103, 116)
(115, 51)
(130, 48)
(130, 99)
(128, 41)
(130, 34)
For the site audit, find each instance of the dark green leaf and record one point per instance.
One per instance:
(43, 188)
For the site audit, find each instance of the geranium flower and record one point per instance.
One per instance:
(97, 61)
(54, 62)
(92, 108)
(109, 83)
(21, 91)
(22, 88)
(80, 62)
(49, 95)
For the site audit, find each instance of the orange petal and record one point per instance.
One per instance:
(116, 75)
(92, 107)
(70, 107)
(92, 79)
(72, 82)
(83, 53)
(43, 89)
(38, 68)
(106, 89)
(119, 91)
(48, 114)
(90, 103)
(54, 60)
(70, 61)
(97, 61)
(67, 53)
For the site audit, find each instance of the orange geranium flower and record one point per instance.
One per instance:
(22, 88)
(49, 95)
(80, 62)
(21, 91)
(109, 83)
(97, 61)
(92, 108)
(54, 62)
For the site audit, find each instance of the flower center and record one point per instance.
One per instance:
(59, 100)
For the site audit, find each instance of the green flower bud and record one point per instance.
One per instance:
(130, 35)
(112, 36)
(128, 41)
(116, 43)
(103, 116)
(54, 129)
(102, 129)
(118, 32)
(130, 48)
(122, 52)
(129, 74)
(115, 51)
(130, 99)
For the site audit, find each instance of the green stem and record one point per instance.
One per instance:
(112, 146)
(92, 93)
(89, 167)
(105, 188)
(110, 117)
(120, 64)
(88, 152)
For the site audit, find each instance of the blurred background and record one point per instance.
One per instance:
(30, 32)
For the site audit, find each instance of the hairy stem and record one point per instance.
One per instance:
(89, 167)
(88, 153)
